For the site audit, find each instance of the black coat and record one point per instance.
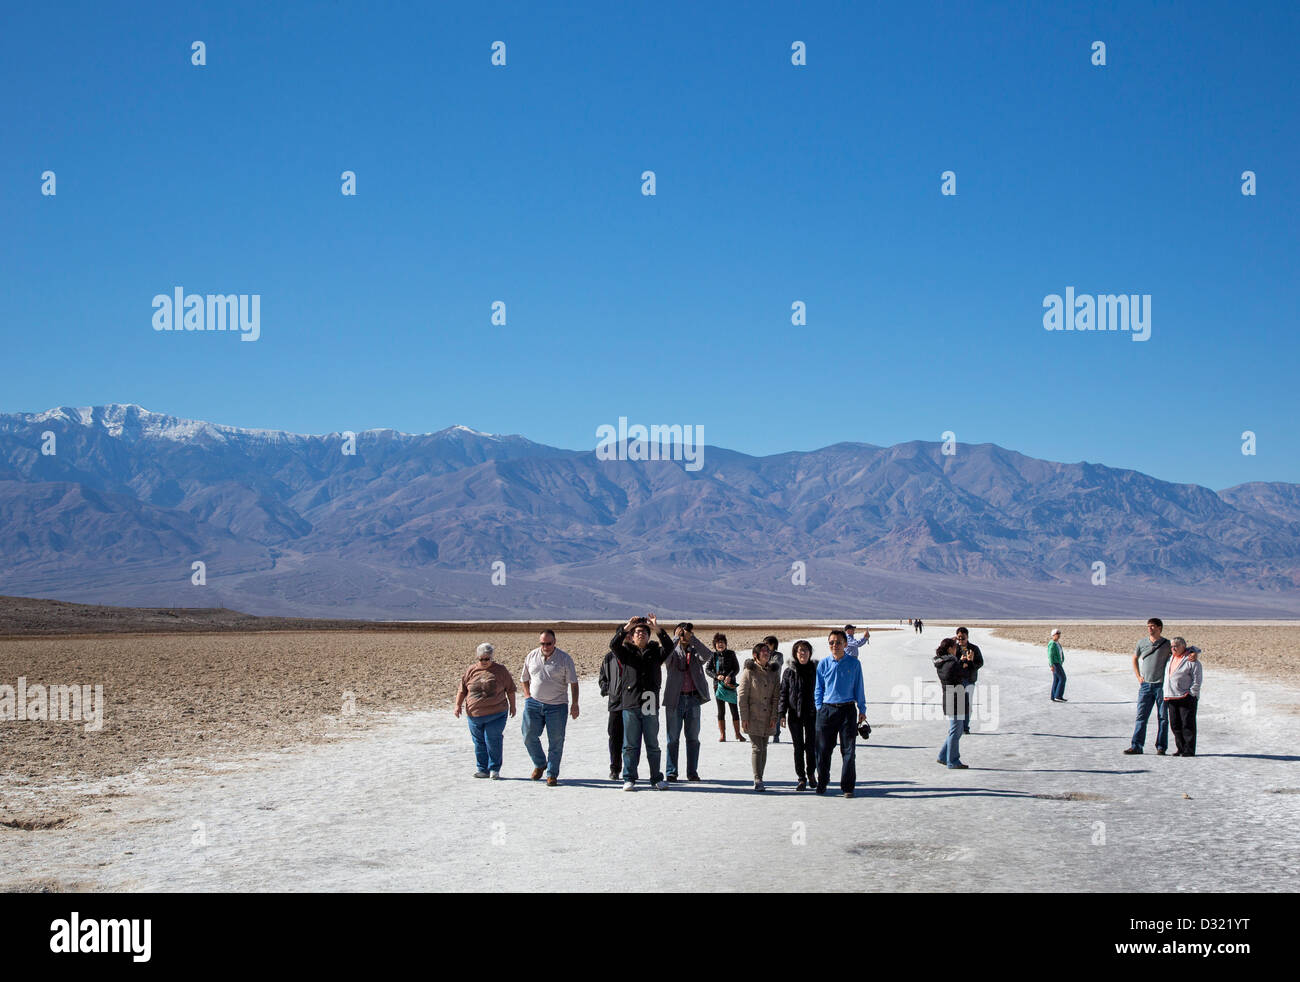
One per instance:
(639, 672)
(976, 664)
(722, 663)
(797, 690)
(610, 686)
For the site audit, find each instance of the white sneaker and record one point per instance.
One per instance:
(629, 785)
(495, 775)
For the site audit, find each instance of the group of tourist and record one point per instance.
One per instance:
(1169, 674)
(821, 703)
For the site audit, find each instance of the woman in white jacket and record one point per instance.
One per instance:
(1182, 691)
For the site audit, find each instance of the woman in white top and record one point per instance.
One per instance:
(1182, 692)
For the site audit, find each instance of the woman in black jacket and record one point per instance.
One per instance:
(723, 668)
(799, 712)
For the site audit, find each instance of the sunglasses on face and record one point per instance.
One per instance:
(486, 658)
(548, 644)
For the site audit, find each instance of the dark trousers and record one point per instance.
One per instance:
(615, 730)
(837, 723)
(1182, 721)
(803, 734)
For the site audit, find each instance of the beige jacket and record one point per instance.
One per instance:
(758, 693)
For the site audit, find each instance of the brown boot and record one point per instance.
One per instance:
(739, 737)
(722, 731)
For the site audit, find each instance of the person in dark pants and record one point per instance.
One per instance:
(974, 661)
(838, 691)
(723, 667)
(777, 661)
(611, 690)
(798, 711)
(1182, 691)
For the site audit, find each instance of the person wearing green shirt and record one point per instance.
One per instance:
(1056, 662)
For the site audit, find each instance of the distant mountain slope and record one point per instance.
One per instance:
(411, 524)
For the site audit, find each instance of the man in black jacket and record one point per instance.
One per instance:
(639, 664)
(974, 659)
(798, 711)
(612, 690)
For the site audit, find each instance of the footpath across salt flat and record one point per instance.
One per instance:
(1050, 803)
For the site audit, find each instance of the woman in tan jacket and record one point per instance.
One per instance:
(758, 694)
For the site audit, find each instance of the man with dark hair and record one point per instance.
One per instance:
(973, 660)
(837, 692)
(1149, 660)
(639, 663)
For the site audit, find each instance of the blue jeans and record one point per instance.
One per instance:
(950, 752)
(1058, 681)
(635, 726)
(686, 712)
(970, 698)
(487, 732)
(1151, 694)
(554, 719)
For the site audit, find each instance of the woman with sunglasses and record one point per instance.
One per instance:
(487, 693)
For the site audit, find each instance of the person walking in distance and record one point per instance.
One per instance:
(758, 696)
(798, 711)
(685, 693)
(723, 668)
(640, 661)
(838, 691)
(1056, 662)
(547, 670)
(1182, 691)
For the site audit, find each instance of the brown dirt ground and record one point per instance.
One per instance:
(199, 697)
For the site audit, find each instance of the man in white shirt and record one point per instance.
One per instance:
(547, 670)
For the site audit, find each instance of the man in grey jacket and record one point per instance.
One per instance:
(685, 691)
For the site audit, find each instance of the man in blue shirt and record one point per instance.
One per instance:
(838, 693)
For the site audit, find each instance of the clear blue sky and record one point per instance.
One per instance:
(775, 184)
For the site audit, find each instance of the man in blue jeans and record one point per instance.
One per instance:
(685, 691)
(547, 670)
(1149, 660)
(639, 663)
(838, 692)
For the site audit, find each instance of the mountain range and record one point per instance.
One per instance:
(460, 524)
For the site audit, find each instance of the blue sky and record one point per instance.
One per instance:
(775, 183)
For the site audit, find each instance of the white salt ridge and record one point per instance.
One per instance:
(393, 806)
(158, 426)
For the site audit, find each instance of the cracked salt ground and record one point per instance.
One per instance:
(1049, 803)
